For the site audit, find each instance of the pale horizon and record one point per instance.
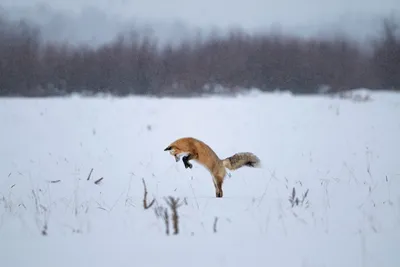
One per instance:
(178, 19)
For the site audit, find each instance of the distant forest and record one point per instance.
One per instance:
(138, 65)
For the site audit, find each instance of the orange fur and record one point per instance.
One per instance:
(201, 153)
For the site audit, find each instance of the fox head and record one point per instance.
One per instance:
(174, 152)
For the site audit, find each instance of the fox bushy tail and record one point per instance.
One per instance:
(239, 160)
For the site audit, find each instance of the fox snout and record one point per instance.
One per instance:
(172, 152)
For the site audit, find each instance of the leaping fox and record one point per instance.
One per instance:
(200, 152)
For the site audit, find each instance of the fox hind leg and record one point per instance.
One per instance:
(219, 192)
(218, 187)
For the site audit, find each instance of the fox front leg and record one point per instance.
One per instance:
(186, 162)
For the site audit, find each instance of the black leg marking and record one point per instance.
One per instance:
(186, 162)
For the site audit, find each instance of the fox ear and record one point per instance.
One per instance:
(168, 148)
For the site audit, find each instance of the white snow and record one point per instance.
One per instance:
(345, 153)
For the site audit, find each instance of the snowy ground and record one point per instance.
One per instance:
(345, 153)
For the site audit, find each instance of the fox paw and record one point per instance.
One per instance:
(188, 165)
(186, 162)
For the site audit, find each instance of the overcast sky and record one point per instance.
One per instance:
(247, 13)
(303, 16)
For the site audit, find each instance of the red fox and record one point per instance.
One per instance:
(200, 152)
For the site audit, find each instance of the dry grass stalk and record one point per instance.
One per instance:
(40, 210)
(98, 180)
(44, 230)
(215, 224)
(90, 173)
(145, 206)
(174, 205)
(294, 200)
(166, 221)
(162, 212)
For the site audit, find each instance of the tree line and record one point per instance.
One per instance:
(139, 65)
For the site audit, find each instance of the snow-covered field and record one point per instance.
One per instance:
(345, 153)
